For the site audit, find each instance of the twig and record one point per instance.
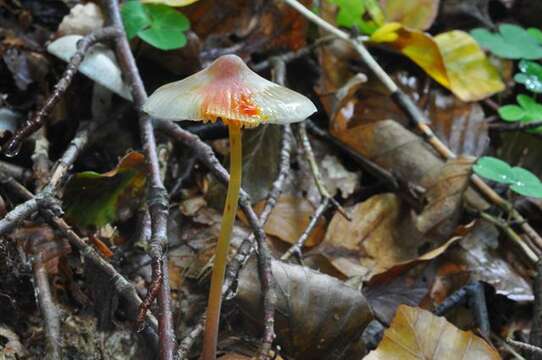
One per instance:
(528, 348)
(324, 193)
(157, 202)
(527, 247)
(37, 120)
(48, 308)
(246, 248)
(17, 172)
(506, 346)
(296, 248)
(516, 126)
(414, 114)
(40, 159)
(125, 289)
(24, 210)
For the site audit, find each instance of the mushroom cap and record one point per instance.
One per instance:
(99, 63)
(228, 90)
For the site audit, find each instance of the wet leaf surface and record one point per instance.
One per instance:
(317, 315)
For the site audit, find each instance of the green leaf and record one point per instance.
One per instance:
(352, 13)
(530, 76)
(535, 33)
(134, 17)
(166, 31)
(494, 169)
(511, 113)
(93, 199)
(159, 25)
(529, 110)
(511, 42)
(526, 183)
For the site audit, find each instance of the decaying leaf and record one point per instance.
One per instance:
(290, 218)
(418, 334)
(93, 199)
(317, 317)
(444, 195)
(380, 235)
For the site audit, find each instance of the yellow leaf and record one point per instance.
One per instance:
(472, 77)
(418, 334)
(174, 3)
(386, 33)
(415, 14)
(453, 59)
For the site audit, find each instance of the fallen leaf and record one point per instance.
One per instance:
(417, 14)
(462, 126)
(337, 178)
(380, 235)
(317, 316)
(472, 76)
(444, 195)
(289, 219)
(92, 199)
(417, 334)
(453, 59)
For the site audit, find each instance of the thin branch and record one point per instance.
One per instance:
(414, 114)
(516, 126)
(37, 120)
(528, 348)
(123, 287)
(17, 172)
(297, 247)
(48, 309)
(157, 201)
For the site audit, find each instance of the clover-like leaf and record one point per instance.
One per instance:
(494, 169)
(527, 110)
(157, 24)
(526, 183)
(530, 75)
(511, 42)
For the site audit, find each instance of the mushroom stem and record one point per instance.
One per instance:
(221, 252)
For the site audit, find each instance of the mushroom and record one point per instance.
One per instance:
(227, 90)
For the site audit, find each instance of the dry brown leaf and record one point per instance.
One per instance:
(444, 194)
(461, 125)
(418, 334)
(380, 235)
(317, 316)
(290, 218)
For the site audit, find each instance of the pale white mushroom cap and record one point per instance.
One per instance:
(99, 63)
(228, 90)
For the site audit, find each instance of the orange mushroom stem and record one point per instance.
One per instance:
(230, 91)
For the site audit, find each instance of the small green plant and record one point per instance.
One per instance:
(520, 180)
(363, 15)
(511, 42)
(157, 24)
(530, 75)
(526, 110)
